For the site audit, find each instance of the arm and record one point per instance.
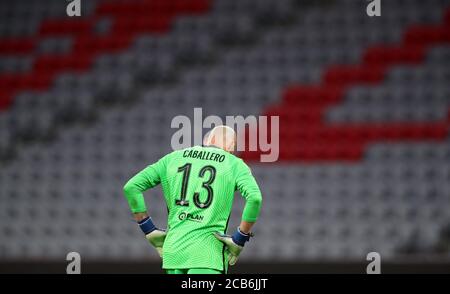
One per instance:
(246, 227)
(249, 189)
(133, 190)
(140, 216)
(247, 186)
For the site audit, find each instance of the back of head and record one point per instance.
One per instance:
(223, 137)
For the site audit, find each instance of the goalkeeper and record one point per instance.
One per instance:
(198, 184)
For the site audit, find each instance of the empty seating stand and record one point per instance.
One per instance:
(363, 104)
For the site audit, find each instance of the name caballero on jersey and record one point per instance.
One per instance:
(204, 155)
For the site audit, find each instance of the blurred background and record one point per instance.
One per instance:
(87, 101)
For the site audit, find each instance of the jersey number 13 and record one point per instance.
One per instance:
(186, 170)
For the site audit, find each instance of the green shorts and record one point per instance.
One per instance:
(201, 271)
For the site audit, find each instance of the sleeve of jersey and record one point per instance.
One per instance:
(247, 186)
(142, 181)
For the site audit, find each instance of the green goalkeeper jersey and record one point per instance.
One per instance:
(198, 185)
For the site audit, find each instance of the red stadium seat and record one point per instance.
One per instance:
(17, 46)
(57, 27)
(447, 17)
(157, 23)
(427, 35)
(384, 55)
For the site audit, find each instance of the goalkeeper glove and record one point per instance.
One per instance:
(234, 244)
(154, 235)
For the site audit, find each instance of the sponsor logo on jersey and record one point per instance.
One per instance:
(190, 217)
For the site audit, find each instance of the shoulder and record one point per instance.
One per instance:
(239, 164)
(164, 160)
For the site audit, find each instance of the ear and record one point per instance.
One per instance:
(231, 147)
